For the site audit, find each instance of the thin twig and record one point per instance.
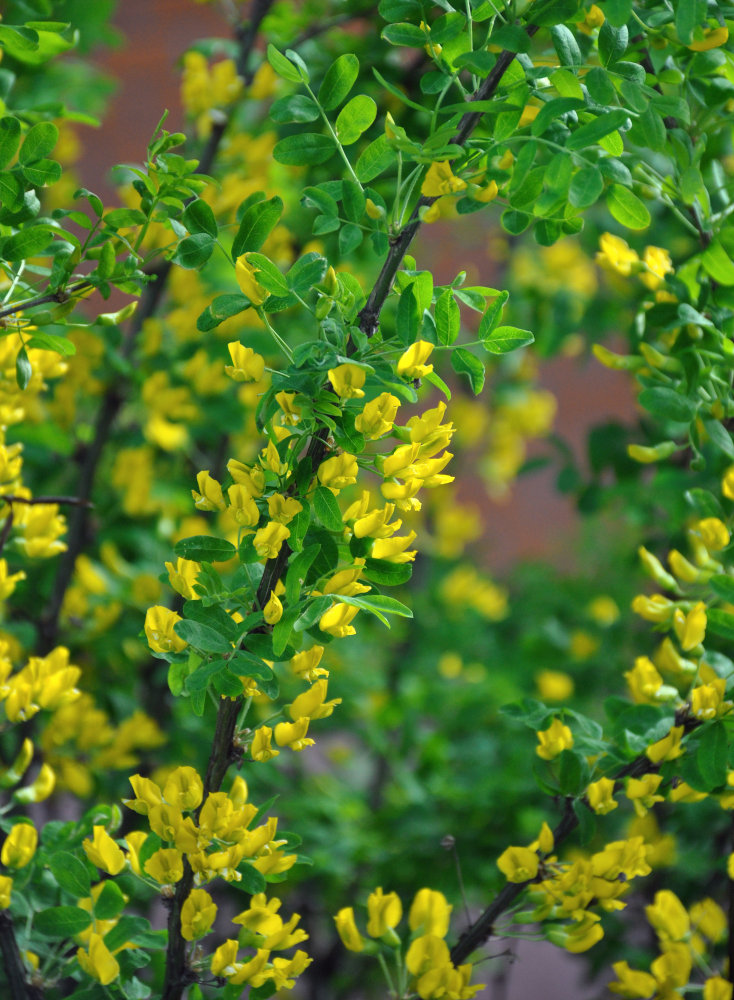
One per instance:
(69, 501)
(59, 297)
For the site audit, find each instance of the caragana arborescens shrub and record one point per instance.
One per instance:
(209, 489)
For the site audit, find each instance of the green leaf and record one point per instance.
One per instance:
(339, 80)
(62, 921)
(386, 573)
(667, 404)
(27, 243)
(194, 251)
(252, 881)
(138, 931)
(199, 218)
(717, 263)
(23, 369)
(110, 901)
(612, 43)
(719, 436)
(566, 46)
(407, 35)
(590, 133)
(354, 200)
(282, 66)
(723, 585)
(305, 149)
(466, 363)
(573, 772)
(492, 315)
(687, 17)
(354, 119)
(306, 272)
(297, 570)
(203, 548)
(71, 874)
(627, 208)
(618, 12)
(600, 87)
(704, 503)
(549, 12)
(268, 275)
(720, 622)
(41, 173)
(586, 187)
(327, 509)
(11, 192)
(375, 159)
(245, 664)
(504, 339)
(257, 223)
(9, 139)
(554, 109)
(202, 637)
(38, 143)
(315, 609)
(448, 317)
(350, 237)
(711, 756)
(294, 108)
(379, 605)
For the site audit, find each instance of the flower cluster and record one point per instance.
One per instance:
(427, 957)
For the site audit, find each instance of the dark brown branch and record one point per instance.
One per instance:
(70, 501)
(483, 927)
(369, 317)
(59, 297)
(20, 988)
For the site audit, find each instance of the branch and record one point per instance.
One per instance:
(370, 315)
(71, 501)
(61, 296)
(20, 988)
(483, 926)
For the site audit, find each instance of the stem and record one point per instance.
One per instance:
(730, 941)
(61, 296)
(370, 315)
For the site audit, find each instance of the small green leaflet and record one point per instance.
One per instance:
(504, 339)
(627, 208)
(465, 363)
(257, 223)
(327, 509)
(339, 80)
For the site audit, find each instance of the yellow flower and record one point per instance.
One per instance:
(716, 988)
(713, 533)
(103, 852)
(159, 622)
(658, 264)
(306, 663)
(668, 916)
(6, 886)
(378, 416)
(243, 507)
(518, 864)
(440, 180)
(210, 497)
(282, 508)
(249, 285)
(713, 38)
(601, 796)
(554, 685)
(430, 913)
(394, 549)
(182, 577)
(707, 700)
(642, 792)
(247, 365)
(184, 788)
(273, 610)
(616, 255)
(412, 363)
(383, 912)
(338, 472)
(347, 929)
(337, 620)
(260, 748)
(98, 962)
(293, 735)
(347, 380)
(668, 748)
(690, 628)
(269, 539)
(584, 934)
(165, 866)
(197, 915)
(553, 740)
(727, 483)
(632, 984)
(19, 846)
(486, 194)
(312, 704)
